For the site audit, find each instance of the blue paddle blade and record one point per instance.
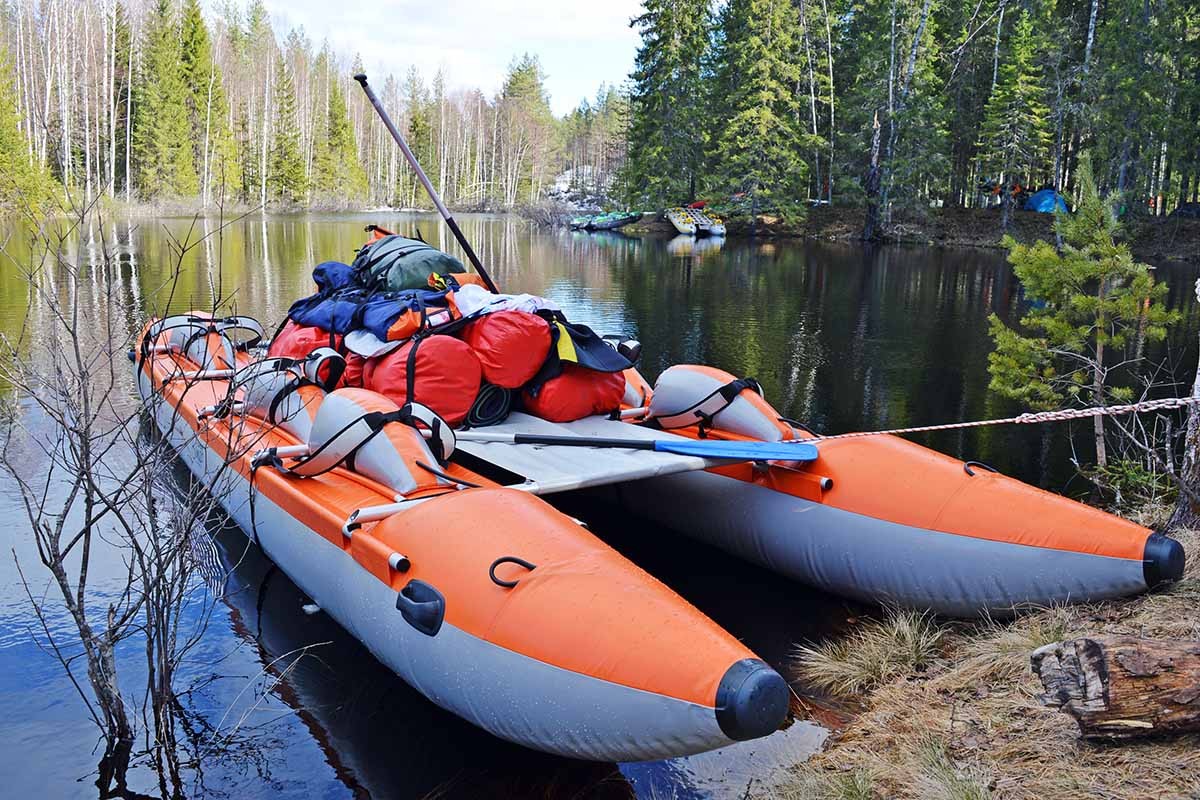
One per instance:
(742, 451)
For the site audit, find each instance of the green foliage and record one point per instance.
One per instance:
(757, 148)
(286, 181)
(1090, 299)
(162, 135)
(1014, 139)
(668, 104)
(212, 141)
(24, 184)
(337, 171)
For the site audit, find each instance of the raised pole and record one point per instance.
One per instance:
(433, 195)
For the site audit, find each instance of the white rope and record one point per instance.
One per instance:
(1031, 418)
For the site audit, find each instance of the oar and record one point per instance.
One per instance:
(707, 448)
(433, 195)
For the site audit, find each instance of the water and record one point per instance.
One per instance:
(839, 336)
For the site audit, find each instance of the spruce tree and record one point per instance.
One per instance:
(1014, 139)
(668, 103)
(24, 184)
(212, 142)
(285, 168)
(758, 144)
(162, 138)
(337, 172)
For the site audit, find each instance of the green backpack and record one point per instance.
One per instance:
(394, 263)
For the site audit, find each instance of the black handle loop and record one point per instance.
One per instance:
(968, 464)
(508, 560)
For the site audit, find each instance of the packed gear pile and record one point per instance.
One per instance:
(414, 327)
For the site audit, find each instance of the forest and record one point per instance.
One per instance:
(157, 100)
(888, 104)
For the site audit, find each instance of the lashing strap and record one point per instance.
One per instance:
(202, 326)
(342, 446)
(705, 410)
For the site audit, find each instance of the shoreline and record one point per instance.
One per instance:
(1154, 239)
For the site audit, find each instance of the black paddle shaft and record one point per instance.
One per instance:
(584, 441)
(433, 195)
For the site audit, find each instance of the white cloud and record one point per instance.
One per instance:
(580, 45)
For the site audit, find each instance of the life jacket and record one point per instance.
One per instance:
(392, 263)
(687, 394)
(396, 316)
(371, 435)
(440, 372)
(576, 392)
(335, 311)
(511, 346)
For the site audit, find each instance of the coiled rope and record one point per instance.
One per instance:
(1033, 417)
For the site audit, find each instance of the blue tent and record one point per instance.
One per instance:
(1046, 201)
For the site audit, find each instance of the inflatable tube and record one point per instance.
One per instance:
(486, 600)
(884, 520)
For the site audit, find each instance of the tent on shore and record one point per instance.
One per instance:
(1046, 201)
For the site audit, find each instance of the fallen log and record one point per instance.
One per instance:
(1121, 687)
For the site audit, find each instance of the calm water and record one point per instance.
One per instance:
(840, 337)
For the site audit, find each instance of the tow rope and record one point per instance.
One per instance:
(1030, 418)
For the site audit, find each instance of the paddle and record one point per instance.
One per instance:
(433, 195)
(706, 448)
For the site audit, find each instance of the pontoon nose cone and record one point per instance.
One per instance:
(752, 700)
(1162, 560)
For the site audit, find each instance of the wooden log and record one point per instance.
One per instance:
(1121, 687)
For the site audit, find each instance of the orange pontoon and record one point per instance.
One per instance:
(486, 599)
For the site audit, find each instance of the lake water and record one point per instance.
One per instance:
(840, 336)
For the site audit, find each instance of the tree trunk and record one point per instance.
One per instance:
(1187, 514)
(871, 185)
(1122, 687)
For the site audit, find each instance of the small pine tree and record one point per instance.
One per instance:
(758, 145)
(162, 138)
(1014, 138)
(24, 183)
(1090, 300)
(285, 168)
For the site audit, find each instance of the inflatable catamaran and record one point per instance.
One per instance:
(341, 447)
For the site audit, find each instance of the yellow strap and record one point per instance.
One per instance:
(566, 347)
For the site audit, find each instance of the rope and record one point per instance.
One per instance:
(1032, 418)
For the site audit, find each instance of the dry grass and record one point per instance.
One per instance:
(905, 642)
(964, 723)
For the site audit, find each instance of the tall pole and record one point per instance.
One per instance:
(433, 195)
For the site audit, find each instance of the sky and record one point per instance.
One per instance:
(580, 45)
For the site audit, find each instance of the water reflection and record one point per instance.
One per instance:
(840, 336)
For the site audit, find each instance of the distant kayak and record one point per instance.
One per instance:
(614, 220)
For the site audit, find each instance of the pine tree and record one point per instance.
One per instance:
(758, 144)
(1092, 299)
(212, 143)
(337, 173)
(162, 139)
(285, 167)
(668, 103)
(24, 184)
(1014, 139)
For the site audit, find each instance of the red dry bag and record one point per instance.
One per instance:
(439, 371)
(511, 346)
(577, 393)
(297, 341)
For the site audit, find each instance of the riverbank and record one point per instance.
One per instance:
(1155, 239)
(951, 709)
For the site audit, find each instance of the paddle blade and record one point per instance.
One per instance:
(742, 451)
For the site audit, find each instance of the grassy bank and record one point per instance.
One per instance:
(950, 710)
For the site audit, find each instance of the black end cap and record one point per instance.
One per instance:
(361, 77)
(1162, 560)
(752, 700)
